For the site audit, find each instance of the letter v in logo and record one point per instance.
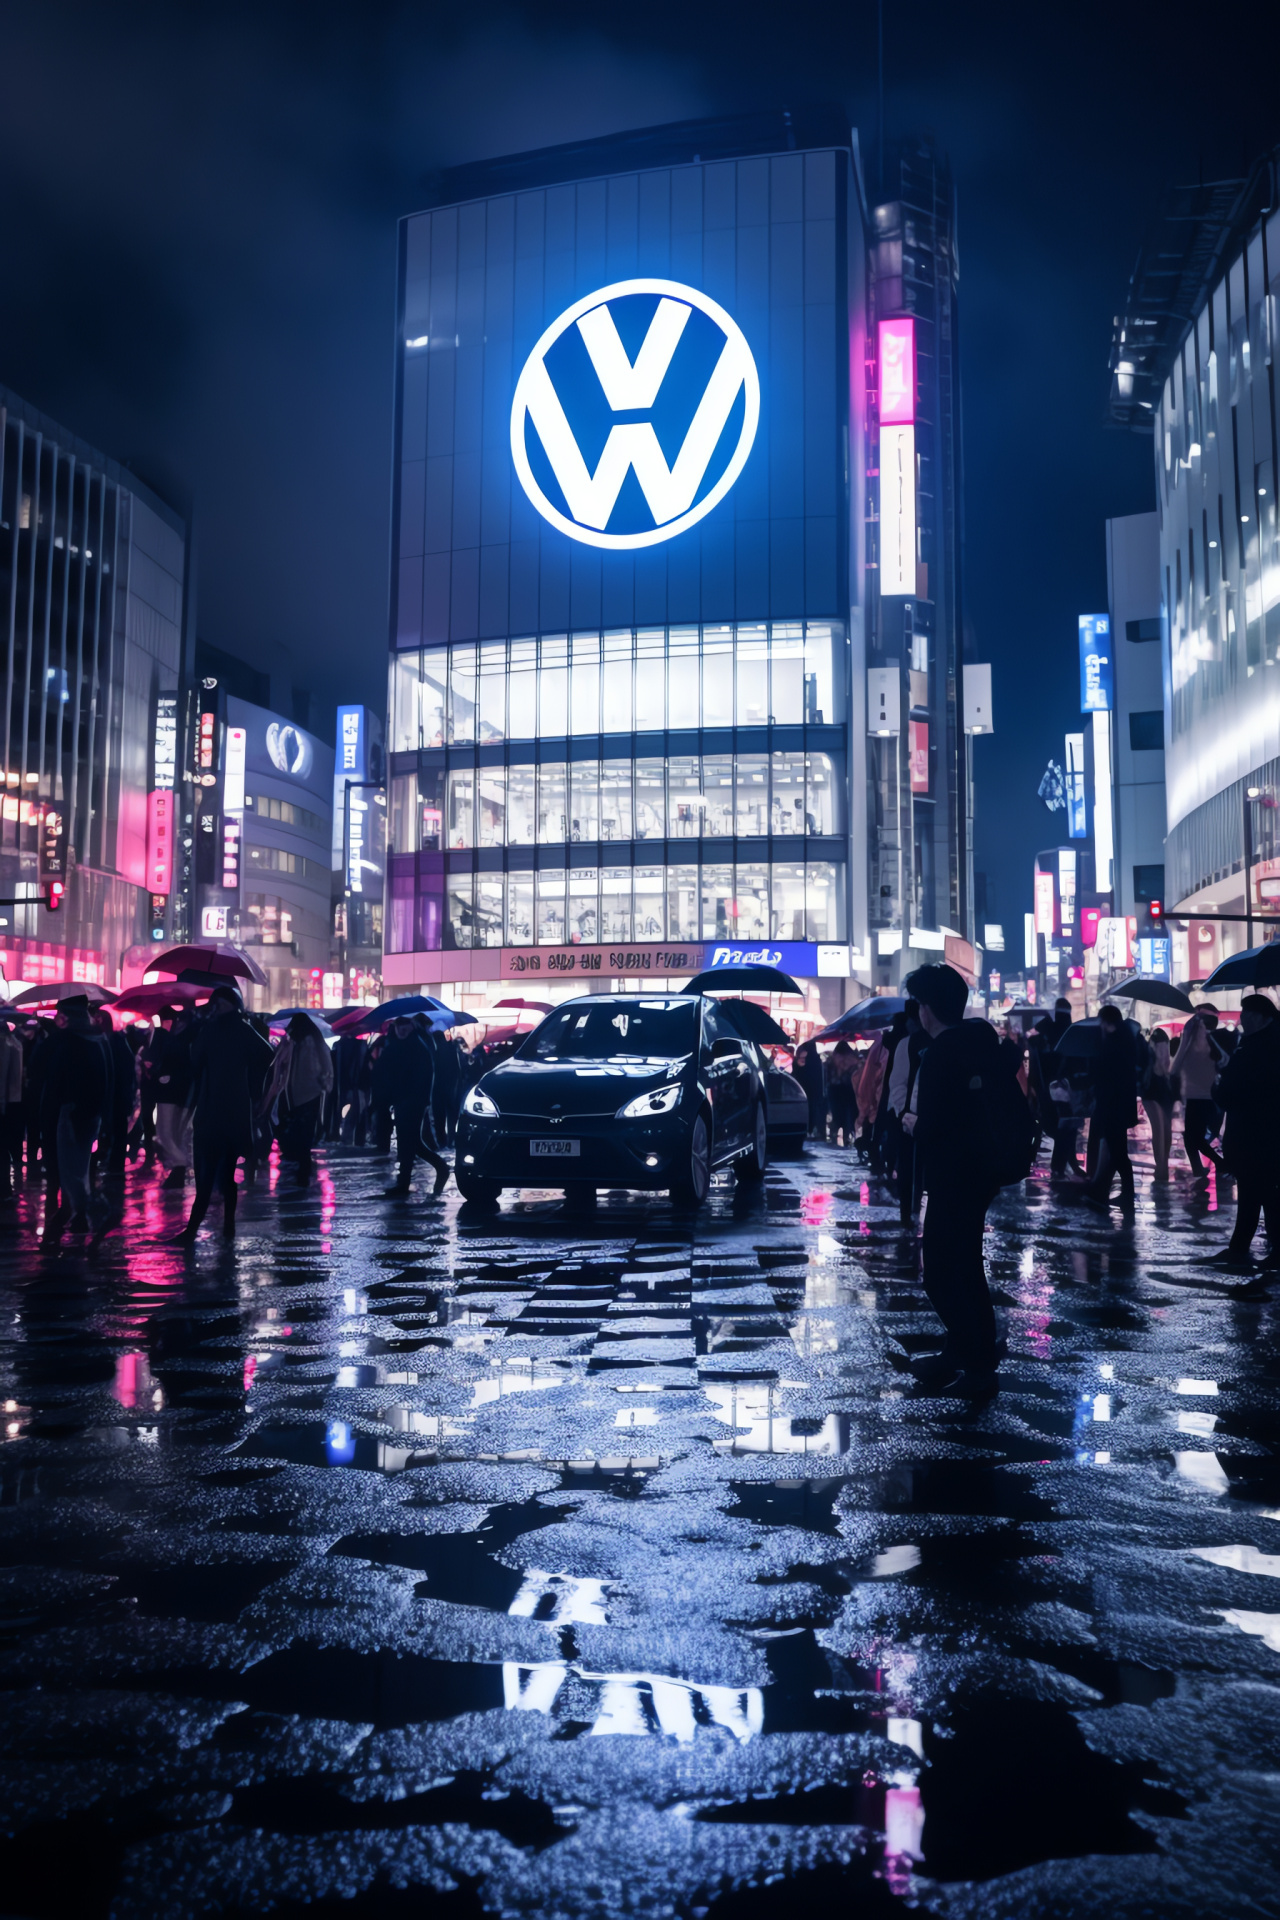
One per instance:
(672, 493)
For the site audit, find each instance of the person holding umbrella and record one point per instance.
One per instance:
(1249, 1094)
(1157, 1100)
(74, 1098)
(230, 1062)
(12, 1112)
(1115, 1110)
(300, 1078)
(402, 1088)
(1198, 1063)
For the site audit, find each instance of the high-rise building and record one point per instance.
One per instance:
(1192, 365)
(94, 587)
(638, 549)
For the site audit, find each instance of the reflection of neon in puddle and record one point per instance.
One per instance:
(638, 1703)
(134, 1384)
(750, 1406)
(1204, 1469)
(815, 1208)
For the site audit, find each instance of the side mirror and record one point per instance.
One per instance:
(726, 1049)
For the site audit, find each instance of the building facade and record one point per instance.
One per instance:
(1137, 738)
(93, 608)
(632, 559)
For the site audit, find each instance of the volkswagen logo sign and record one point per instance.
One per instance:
(634, 414)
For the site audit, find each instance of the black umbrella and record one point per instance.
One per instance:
(1256, 967)
(869, 1016)
(749, 977)
(753, 1023)
(1083, 1039)
(1153, 993)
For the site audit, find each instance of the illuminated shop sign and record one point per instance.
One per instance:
(897, 511)
(640, 347)
(233, 771)
(356, 811)
(918, 738)
(898, 372)
(160, 814)
(1097, 683)
(1067, 887)
(231, 851)
(1044, 904)
(166, 740)
(351, 751)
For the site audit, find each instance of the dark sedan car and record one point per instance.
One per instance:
(636, 1090)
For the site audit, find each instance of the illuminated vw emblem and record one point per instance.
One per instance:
(634, 414)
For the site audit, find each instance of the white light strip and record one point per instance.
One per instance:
(1104, 848)
(897, 511)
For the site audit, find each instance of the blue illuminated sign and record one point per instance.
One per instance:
(793, 956)
(1097, 677)
(351, 745)
(649, 348)
(1154, 956)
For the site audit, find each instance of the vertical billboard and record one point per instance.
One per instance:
(1044, 904)
(898, 535)
(1077, 812)
(918, 740)
(1097, 672)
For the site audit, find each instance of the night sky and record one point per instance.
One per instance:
(197, 267)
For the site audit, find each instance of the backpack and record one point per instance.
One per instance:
(1003, 1124)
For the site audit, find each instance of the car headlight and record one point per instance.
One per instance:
(662, 1100)
(479, 1105)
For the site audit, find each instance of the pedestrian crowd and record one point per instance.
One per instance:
(199, 1091)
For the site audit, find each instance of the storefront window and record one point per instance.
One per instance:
(649, 914)
(551, 907)
(615, 800)
(822, 794)
(459, 810)
(650, 800)
(717, 900)
(650, 676)
(788, 901)
(491, 810)
(822, 901)
(459, 910)
(552, 820)
(584, 800)
(584, 713)
(616, 712)
(717, 677)
(584, 888)
(684, 798)
(751, 903)
(751, 811)
(820, 690)
(786, 676)
(682, 677)
(752, 706)
(462, 693)
(493, 692)
(786, 804)
(717, 785)
(520, 910)
(682, 903)
(615, 903)
(522, 806)
(553, 688)
(488, 920)
(522, 712)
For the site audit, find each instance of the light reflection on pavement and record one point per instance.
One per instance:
(537, 1564)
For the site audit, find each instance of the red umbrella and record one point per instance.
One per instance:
(218, 957)
(48, 996)
(530, 1006)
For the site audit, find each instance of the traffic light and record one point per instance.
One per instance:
(1156, 910)
(53, 892)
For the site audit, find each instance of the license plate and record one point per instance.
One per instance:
(555, 1149)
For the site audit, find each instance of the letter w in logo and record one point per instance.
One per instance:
(632, 386)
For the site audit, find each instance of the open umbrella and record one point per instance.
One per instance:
(1083, 1039)
(527, 1006)
(48, 996)
(872, 1015)
(317, 1020)
(1256, 967)
(1153, 993)
(219, 958)
(148, 1001)
(749, 977)
(753, 1023)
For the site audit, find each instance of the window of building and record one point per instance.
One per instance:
(786, 800)
(462, 693)
(553, 687)
(615, 800)
(488, 910)
(552, 804)
(650, 680)
(491, 723)
(522, 806)
(491, 807)
(717, 902)
(717, 677)
(584, 700)
(682, 903)
(520, 910)
(615, 903)
(615, 713)
(749, 908)
(584, 894)
(752, 701)
(648, 885)
(650, 799)
(823, 811)
(1140, 632)
(751, 794)
(682, 677)
(786, 676)
(787, 907)
(684, 797)
(717, 784)
(551, 906)
(1148, 884)
(1146, 731)
(287, 812)
(584, 800)
(460, 911)
(266, 920)
(460, 807)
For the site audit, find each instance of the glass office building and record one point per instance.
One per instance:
(633, 553)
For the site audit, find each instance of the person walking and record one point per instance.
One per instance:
(300, 1078)
(950, 1126)
(74, 1098)
(808, 1069)
(230, 1063)
(902, 1076)
(1197, 1065)
(1157, 1102)
(445, 1085)
(1114, 1075)
(123, 1096)
(348, 1058)
(1249, 1094)
(173, 1094)
(840, 1089)
(875, 1065)
(402, 1088)
(12, 1110)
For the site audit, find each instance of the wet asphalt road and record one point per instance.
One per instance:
(401, 1562)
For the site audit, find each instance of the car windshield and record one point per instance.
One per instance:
(616, 1030)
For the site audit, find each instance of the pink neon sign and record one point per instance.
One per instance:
(897, 372)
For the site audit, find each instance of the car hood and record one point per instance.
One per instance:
(575, 1087)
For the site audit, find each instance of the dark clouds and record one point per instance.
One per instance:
(197, 255)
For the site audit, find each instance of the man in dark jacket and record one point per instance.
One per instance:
(954, 1157)
(123, 1100)
(402, 1085)
(230, 1063)
(173, 1095)
(73, 1100)
(1249, 1094)
(1115, 1109)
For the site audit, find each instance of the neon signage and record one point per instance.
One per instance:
(898, 372)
